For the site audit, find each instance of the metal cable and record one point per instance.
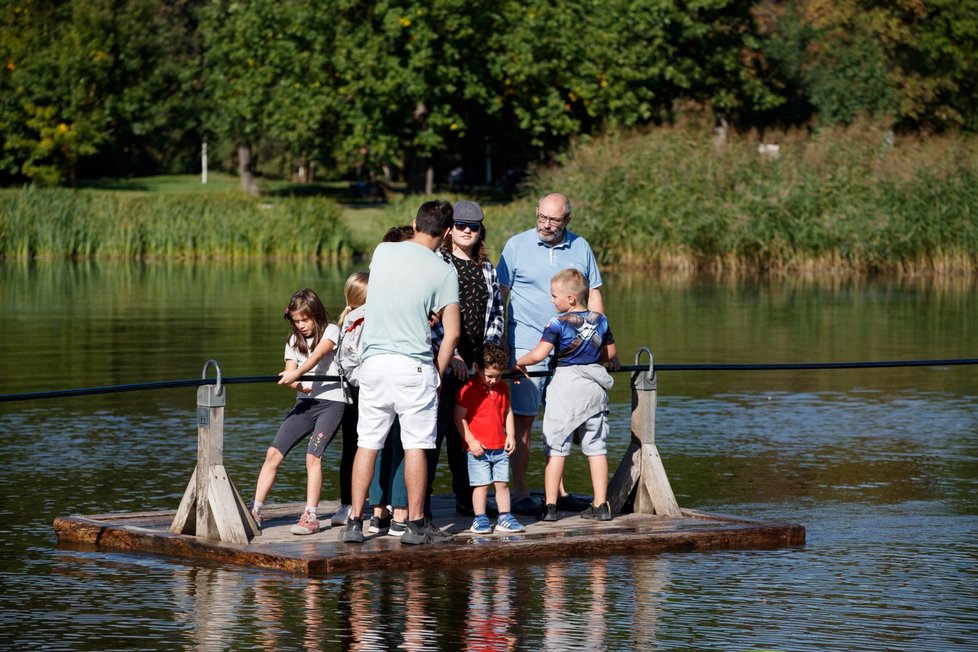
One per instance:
(242, 380)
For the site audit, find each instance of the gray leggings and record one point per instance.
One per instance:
(310, 415)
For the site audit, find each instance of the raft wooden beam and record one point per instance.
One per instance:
(323, 554)
(211, 507)
(640, 478)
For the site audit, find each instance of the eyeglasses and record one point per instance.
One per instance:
(471, 226)
(546, 219)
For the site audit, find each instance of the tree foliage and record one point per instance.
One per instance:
(95, 87)
(95, 82)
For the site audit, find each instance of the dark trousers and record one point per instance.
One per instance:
(457, 463)
(349, 428)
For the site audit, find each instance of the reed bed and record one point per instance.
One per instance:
(854, 200)
(857, 200)
(65, 223)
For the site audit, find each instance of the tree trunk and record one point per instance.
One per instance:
(420, 174)
(245, 173)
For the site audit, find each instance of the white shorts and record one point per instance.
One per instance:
(397, 386)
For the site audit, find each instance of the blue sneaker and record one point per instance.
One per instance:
(481, 525)
(508, 523)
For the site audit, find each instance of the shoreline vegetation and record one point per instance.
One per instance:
(856, 200)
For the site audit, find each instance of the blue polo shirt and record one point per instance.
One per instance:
(526, 266)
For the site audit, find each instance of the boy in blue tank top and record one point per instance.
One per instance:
(577, 397)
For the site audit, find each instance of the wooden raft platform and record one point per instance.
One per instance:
(323, 554)
(213, 523)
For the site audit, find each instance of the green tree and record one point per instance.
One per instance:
(270, 78)
(937, 70)
(97, 84)
(909, 62)
(413, 79)
(567, 68)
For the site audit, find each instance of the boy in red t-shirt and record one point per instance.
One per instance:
(485, 418)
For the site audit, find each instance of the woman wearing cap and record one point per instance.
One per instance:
(482, 321)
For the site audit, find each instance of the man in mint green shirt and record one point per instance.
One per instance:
(399, 375)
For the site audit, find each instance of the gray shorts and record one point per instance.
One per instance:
(592, 435)
(321, 418)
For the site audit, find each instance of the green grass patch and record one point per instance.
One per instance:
(100, 224)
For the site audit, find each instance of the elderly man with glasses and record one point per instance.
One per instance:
(528, 262)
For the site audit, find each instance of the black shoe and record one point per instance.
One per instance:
(422, 535)
(527, 507)
(436, 535)
(397, 528)
(414, 535)
(548, 513)
(571, 503)
(353, 532)
(379, 524)
(600, 513)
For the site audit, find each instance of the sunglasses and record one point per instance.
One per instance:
(471, 226)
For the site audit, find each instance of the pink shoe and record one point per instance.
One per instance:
(308, 524)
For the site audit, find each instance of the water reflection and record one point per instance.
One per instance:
(490, 618)
(361, 609)
(879, 465)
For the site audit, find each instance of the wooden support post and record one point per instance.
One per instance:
(641, 470)
(221, 514)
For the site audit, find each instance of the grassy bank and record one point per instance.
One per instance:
(849, 201)
(59, 223)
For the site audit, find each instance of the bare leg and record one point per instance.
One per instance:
(502, 497)
(416, 479)
(314, 479)
(599, 478)
(519, 461)
(480, 496)
(266, 478)
(363, 473)
(552, 474)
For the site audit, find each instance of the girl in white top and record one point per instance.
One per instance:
(310, 347)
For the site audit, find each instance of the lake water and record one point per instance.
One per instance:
(880, 466)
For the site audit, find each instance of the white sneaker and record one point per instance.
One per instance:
(341, 516)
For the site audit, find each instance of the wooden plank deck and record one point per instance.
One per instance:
(322, 554)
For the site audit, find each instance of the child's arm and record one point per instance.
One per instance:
(537, 355)
(290, 369)
(451, 319)
(609, 353)
(510, 432)
(475, 446)
(322, 349)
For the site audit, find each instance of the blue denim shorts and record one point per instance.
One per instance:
(491, 466)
